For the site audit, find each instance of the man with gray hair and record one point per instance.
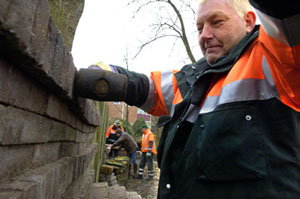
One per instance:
(234, 115)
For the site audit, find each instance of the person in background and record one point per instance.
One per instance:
(111, 137)
(148, 149)
(130, 145)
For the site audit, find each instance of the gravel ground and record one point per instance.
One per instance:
(146, 188)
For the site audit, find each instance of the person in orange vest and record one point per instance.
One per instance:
(148, 149)
(234, 114)
(111, 137)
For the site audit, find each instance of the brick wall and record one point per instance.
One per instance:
(46, 133)
(115, 111)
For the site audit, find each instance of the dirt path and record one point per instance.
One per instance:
(146, 188)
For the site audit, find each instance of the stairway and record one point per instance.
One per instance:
(101, 190)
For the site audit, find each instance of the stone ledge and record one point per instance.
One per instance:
(18, 158)
(81, 187)
(21, 127)
(24, 157)
(15, 86)
(52, 180)
(12, 194)
(30, 40)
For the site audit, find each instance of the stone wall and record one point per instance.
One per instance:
(46, 133)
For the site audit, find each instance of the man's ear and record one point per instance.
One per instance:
(250, 19)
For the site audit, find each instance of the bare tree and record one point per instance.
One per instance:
(171, 16)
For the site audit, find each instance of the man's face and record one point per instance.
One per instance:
(219, 29)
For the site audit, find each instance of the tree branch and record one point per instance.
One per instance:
(151, 41)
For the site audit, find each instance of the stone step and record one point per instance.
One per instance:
(99, 190)
(133, 195)
(117, 192)
(110, 179)
(103, 191)
(113, 181)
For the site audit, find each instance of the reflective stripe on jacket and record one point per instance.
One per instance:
(163, 93)
(146, 138)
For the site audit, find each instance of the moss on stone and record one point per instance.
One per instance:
(66, 15)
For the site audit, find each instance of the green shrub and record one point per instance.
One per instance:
(137, 126)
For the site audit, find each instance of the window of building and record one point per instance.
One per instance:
(140, 111)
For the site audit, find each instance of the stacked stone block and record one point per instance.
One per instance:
(46, 132)
(103, 191)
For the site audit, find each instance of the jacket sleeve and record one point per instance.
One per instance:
(119, 141)
(280, 44)
(155, 94)
(277, 9)
(280, 19)
(150, 144)
(108, 132)
(163, 93)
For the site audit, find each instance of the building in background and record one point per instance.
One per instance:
(118, 110)
(143, 114)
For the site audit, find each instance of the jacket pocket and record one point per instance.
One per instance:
(230, 146)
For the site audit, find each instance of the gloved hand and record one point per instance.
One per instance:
(148, 154)
(104, 66)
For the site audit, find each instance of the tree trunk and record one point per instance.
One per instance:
(66, 15)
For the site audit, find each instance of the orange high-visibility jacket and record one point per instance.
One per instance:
(241, 138)
(269, 68)
(110, 130)
(146, 138)
(111, 135)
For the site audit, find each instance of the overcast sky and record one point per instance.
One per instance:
(106, 29)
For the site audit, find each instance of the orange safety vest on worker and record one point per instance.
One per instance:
(146, 138)
(111, 130)
(111, 135)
